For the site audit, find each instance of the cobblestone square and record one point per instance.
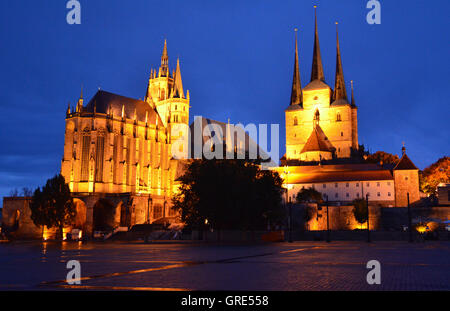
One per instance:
(294, 266)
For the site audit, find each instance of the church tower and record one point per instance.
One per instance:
(165, 92)
(318, 102)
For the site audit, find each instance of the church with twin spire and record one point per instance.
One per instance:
(321, 123)
(322, 149)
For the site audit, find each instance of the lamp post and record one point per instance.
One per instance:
(288, 203)
(368, 217)
(409, 220)
(328, 220)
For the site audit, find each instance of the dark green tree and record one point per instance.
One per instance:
(381, 156)
(229, 194)
(360, 210)
(53, 205)
(309, 195)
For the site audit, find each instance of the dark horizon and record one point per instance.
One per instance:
(236, 60)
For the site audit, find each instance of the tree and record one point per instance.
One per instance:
(360, 210)
(53, 206)
(229, 194)
(381, 156)
(309, 195)
(433, 175)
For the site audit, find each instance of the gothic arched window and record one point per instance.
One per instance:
(338, 117)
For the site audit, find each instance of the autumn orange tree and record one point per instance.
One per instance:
(433, 175)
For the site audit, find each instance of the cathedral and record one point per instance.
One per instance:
(116, 144)
(322, 149)
(318, 115)
(123, 156)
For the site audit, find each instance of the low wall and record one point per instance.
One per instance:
(17, 214)
(361, 235)
(228, 236)
(380, 218)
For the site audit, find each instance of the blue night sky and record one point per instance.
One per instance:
(236, 60)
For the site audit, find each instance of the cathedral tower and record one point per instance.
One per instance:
(318, 102)
(165, 92)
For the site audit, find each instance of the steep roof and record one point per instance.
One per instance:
(296, 93)
(106, 102)
(318, 141)
(336, 173)
(317, 67)
(339, 85)
(405, 164)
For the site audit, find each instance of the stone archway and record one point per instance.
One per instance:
(103, 215)
(81, 216)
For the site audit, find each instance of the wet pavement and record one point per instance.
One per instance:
(189, 266)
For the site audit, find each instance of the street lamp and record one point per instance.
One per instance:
(368, 217)
(409, 220)
(288, 201)
(328, 221)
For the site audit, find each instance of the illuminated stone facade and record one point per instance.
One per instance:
(116, 144)
(322, 144)
(318, 106)
(120, 145)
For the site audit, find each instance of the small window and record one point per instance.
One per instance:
(336, 185)
(357, 195)
(324, 185)
(406, 178)
(347, 194)
(378, 194)
(342, 134)
(389, 183)
(184, 108)
(176, 107)
(389, 194)
(357, 184)
(378, 184)
(368, 184)
(338, 117)
(347, 185)
(336, 195)
(295, 121)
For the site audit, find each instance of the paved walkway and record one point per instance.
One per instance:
(283, 266)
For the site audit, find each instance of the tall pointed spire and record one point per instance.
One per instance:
(164, 69)
(178, 84)
(339, 84)
(317, 68)
(353, 96)
(296, 94)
